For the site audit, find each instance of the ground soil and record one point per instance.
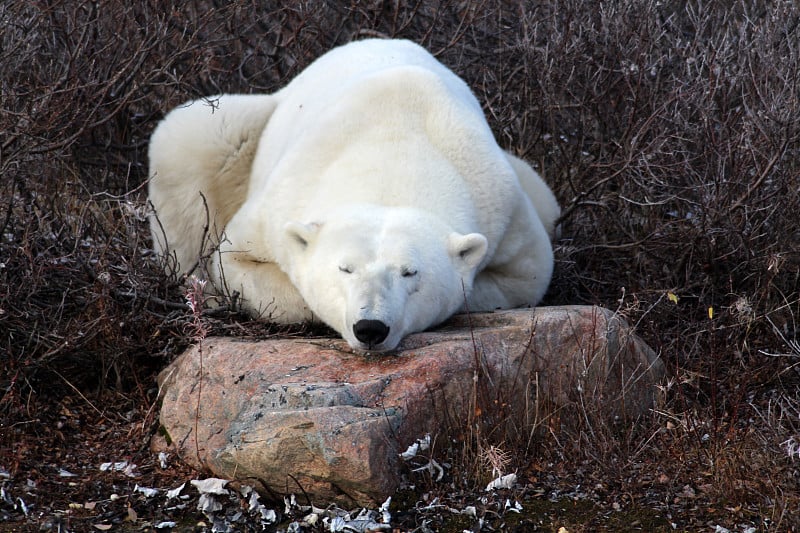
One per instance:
(52, 480)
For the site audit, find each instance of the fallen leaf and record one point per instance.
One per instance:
(211, 485)
(113, 467)
(503, 482)
(148, 492)
(208, 504)
(268, 515)
(410, 452)
(672, 297)
(174, 493)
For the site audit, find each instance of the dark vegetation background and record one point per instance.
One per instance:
(670, 132)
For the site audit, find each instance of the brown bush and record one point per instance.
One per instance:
(670, 132)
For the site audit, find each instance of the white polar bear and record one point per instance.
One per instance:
(369, 193)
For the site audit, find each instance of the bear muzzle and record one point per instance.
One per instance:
(370, 332)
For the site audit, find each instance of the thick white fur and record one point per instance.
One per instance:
(376, 192)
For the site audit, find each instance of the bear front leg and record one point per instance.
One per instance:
(507, 287)
(489, 292)
(520, 271)
(264, 290)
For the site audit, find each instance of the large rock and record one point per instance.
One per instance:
(286, 414)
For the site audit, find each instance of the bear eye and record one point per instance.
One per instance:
(347, 269)
(408, 272)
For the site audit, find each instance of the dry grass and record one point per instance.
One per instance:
(670, 132)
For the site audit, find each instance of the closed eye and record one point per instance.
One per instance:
(347, 269)
(409, 273)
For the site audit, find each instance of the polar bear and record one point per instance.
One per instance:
(369, 194)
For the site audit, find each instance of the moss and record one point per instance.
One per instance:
(164, 433)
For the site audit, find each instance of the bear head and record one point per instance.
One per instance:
(376, 274)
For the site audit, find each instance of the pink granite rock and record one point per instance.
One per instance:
(286, 414)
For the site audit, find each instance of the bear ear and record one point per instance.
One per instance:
(302, 234)
(468, 249)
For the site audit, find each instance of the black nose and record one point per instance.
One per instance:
(370, 332)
